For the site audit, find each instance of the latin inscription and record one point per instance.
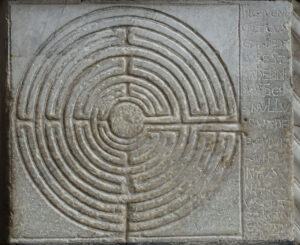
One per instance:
(266, 109)
(269, 106)
(250, 13)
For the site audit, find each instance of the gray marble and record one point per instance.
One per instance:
(151, 122)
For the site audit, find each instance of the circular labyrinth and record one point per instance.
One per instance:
(125, 120)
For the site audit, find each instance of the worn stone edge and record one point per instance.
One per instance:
(138, 1)
(4, 125)
(296, 106)
(174, 243)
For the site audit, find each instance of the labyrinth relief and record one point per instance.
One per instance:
(126, 120)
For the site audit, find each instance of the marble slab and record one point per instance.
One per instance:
(151, 122)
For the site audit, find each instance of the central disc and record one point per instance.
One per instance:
(126, 120)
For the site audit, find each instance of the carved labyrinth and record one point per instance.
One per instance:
(126, 120)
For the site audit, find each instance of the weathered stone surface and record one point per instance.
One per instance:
(151, 122)
(296, 106)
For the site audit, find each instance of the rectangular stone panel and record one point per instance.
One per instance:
(150, 122)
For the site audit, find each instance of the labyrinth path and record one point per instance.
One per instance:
(126, 120)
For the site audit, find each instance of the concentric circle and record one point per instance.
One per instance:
(110, 120)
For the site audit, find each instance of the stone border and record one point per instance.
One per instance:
(296, 81)
(4, 148)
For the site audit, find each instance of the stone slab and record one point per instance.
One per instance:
(151, 122)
